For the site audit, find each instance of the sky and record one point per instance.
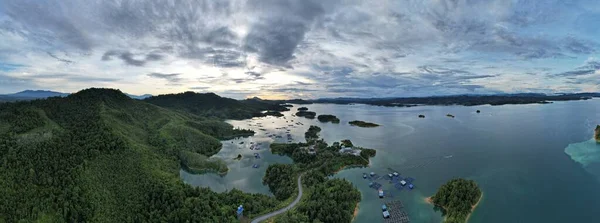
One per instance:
(278, 49)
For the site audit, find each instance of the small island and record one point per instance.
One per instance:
(328, 118)
(273, 113)
(478, 111)
(302, 109)
(450, 115)
(421, 116)
(597, 134)
(363, 124)
(239, 157)
(457, 198)
(306, 114)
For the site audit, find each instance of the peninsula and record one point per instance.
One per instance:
(363, 124)
(316, 161)
(328, 118)
(458, 198)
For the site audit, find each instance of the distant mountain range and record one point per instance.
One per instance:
(467, 100)
(41, 94)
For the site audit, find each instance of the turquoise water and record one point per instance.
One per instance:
(534, 163)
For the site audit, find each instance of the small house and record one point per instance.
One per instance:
(380, 193)
(372, 173)
(403, 182)
(390, 175)
(383, 208)
(396, 174)
(411, 186)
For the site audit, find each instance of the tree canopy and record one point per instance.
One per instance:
(457, 197)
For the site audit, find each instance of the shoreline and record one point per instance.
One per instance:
(355, 212)
(474, 206)
(429, 201)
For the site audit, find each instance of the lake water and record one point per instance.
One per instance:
(534, 163)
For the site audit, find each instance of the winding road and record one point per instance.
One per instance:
(283, 210)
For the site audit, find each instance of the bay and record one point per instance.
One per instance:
(516, 153)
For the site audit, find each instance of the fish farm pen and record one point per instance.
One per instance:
(393, 210)
(396, 213)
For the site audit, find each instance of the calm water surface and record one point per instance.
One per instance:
(534, 163)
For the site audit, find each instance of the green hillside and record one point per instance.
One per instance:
(99, 156)
(212, 105)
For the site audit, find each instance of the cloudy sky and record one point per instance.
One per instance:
(301, 48)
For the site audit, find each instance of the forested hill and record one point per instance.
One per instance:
(100, 156)
(212, 105)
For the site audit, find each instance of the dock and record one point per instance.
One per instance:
(397, 214)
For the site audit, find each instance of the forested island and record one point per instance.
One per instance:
(99, 156)
(302, 109)
(328, 118)
(273, 113)
(306, 114)
(327, 199)
(457, 198)
(363, 124)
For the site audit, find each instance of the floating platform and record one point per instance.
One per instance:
(396, 213)
(375, 185)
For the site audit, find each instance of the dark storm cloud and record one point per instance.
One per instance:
(129, 58)
(174, 77)
(278, 32)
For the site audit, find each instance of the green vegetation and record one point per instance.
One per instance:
(328, 118)
(219, 129)
(273, 113)
(597, 133)
(281, 179)
(312, 133)
(347, 143)
(302, 109)
(363, 124)
(100, 156)
(325, 199)
(458, 198)
(306, 114)
(212, 105)
(197, 163)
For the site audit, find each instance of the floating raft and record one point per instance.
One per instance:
(375, 185)
(397, 214)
